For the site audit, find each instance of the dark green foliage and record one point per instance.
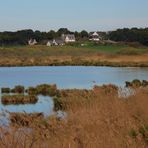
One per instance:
(137, 83)
(5, 90)
(21, 37)
(58, 104)
(43, 89)
(133, 133)
(18, 99)
(18, 89)
(144, 132)
(31, 91)
(144, 83)
(130, 35)
(84, 34)
(46, 89)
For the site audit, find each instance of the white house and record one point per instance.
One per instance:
(32, 42)
(49, 43)
(94, 37)
(55, 42)
(68, 38)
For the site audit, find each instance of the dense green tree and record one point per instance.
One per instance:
(21, 37)
(84, 34)
(130, 35)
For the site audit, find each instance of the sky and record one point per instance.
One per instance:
(91, 15)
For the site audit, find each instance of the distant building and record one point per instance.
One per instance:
(32, 42)
(94, 36)
(55, 42)
(68, 38)
(49, 43)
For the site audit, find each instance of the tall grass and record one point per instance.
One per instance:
(90, 54)
(96, 118)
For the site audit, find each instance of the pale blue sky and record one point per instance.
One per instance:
(74, 14)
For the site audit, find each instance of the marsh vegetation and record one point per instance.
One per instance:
(91, 54)
(96, 118)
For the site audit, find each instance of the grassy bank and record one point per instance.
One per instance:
(18, 99)
(96, 118)
(89, 54)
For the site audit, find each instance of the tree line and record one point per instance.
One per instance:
(21, 37)
(130, 35)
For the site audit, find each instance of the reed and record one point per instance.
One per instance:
(18, 99)
(96, 118)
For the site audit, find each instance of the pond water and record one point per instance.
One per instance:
(69, 76)
(65, 77)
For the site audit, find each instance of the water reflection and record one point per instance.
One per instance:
(68, 76)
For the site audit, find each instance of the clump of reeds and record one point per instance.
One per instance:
(18, 99)
(43, 89)
(19, 89)
(24, 119)
(137, 83)
(96, 118)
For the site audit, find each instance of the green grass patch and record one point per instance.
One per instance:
(69, 50)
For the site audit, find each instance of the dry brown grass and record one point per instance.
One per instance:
(68, 55)
(96, 118)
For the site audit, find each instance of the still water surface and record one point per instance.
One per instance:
(64, 77)
(68, 76)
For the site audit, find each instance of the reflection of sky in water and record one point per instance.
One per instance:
(44, 104)
(69, 77)
(64, 77)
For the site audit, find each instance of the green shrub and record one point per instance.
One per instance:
(18, 99)
(136, 83)
(5, 90)
(31, 91)
(46, 89)
(58, 104)
(18, 89)
(144, 132)
(133, 133)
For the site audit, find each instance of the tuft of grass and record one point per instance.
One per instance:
(58, 104)
(18, 99)
(133, 133)
(18, 89)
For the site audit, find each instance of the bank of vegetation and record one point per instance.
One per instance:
(18, 99)
(95, 118)
(21, 37)
(91, 54)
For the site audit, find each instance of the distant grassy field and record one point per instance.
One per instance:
(28, 55)
(73, 50)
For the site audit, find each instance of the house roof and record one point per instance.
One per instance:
(59, 41)
(94, 34)
(70, 36)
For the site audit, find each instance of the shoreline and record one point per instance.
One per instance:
(78, 63)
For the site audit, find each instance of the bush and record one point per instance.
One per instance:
(18, 89)
(31, 91)
(144, 132)
(133, 133)
(5, 90)
(46, 89)
(136, 83)
(58, 104)
(18, 99)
